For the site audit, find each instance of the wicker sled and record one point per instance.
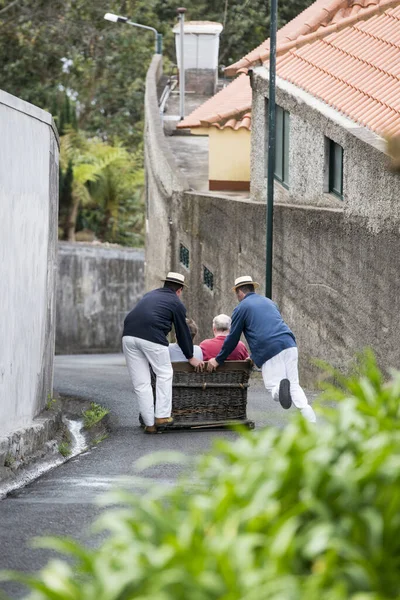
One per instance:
(209, 400)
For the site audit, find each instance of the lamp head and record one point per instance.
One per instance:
(115, 18)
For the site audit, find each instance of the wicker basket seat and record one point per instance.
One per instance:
(201, 400)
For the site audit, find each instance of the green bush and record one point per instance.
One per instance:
(308, 512)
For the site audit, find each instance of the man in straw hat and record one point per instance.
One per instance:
(145, 344)
(272, 345)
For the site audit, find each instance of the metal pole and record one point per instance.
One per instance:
(157, 36)
(271, 147)
(159, 43)
(181, 12)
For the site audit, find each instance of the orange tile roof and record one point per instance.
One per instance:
(300, 25)
(315, 19)
(236, 122)
(232, 100)
(355, 69)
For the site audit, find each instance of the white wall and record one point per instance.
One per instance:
(28, 231)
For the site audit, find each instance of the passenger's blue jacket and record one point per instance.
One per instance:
(266, 332)
(152, 319)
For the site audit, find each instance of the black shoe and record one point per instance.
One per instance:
(285, 398)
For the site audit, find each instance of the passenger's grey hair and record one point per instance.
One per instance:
(222, 323)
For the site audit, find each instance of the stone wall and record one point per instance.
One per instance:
(96, 287)
(28, 232)
(201, 81)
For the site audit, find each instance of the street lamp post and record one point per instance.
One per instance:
(181, 13)
(117, 19)
(271, 147)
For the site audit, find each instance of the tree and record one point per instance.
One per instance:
(119, 186)
(100, 178)
(66, 45)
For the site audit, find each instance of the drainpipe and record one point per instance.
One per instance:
(271, 147)
(181, 13)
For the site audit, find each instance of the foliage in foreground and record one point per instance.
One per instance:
(303, 513)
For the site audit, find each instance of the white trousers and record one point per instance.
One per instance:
(139, 355)
(284, 366)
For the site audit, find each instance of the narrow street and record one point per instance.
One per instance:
(62, 502)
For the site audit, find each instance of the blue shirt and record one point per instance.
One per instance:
(261, 322)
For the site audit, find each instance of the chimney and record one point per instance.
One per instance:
(201, 48)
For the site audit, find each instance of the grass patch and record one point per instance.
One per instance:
(94, 415)
(51, 403)
(9, 461)
(64, 449)
(100, 438)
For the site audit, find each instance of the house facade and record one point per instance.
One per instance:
(324, 159)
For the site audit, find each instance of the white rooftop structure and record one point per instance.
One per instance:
(201, 48)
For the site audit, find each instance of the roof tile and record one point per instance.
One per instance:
(233, 99)
(355, 70)
(235, 123)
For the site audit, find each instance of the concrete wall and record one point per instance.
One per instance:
(335, 280)
(28, 232)
(96, 288)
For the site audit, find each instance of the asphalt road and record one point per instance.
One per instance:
(63, 501)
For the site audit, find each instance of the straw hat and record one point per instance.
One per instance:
(175, 278)
(245, 280)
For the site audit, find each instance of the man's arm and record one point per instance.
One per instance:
(232, 339)
(183, 336)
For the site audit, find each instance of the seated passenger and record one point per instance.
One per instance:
(176, 354)
(212, 347)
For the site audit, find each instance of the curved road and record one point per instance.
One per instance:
(63, 500)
